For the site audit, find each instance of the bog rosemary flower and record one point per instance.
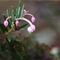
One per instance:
(6, 23)
(17, 23)
(25, 11)
(32, 17)
(30, 29)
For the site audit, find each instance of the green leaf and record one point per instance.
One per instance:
(19, 4)
(9, 25)
(12, 13)
(18, 10)
(7, 13)
(9, 38)
(16, 13)
(13, 38)
(22, 26)
(12, 21)
(3, 28)
(4, 16)
(22, 11)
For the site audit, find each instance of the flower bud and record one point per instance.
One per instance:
(5, 23)
(17, 23)
(25, 11)
(30, 30)
(33, 27)
(33, 19)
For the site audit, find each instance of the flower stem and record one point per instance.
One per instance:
(9, 31)
(24, 20)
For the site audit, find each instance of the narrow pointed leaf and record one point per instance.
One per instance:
(13, 38)
(7, 13)
(22, 26)
(12, 17)
(10, 22)
(9, 25)
(22, 11)
(18, 10)
(16, 13)
(9, 38)
(19, 4)
(12, 13)
(4, 16)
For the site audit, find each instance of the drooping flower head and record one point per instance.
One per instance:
(30, 29)
(32, 17)
(17, 23)
(5, 23)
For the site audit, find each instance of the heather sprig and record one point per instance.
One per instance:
(12, 20)
(20, 16)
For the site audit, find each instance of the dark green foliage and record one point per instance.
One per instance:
(19, 47)
(10, 38)
(3, 29)
(23, 50)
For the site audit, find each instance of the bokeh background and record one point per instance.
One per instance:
(47, 14)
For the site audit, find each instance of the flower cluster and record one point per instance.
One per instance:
(30, 29)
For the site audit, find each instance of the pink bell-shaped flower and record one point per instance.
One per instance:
(33, 19)
(17, 23)
(33, 27)
(25, 11)
(30, 30)
(5, 23)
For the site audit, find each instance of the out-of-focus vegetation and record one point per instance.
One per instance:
(47, 23)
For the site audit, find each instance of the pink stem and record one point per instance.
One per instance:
(20, 19)
(8, 18)
(29, 14)
(24, 20)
